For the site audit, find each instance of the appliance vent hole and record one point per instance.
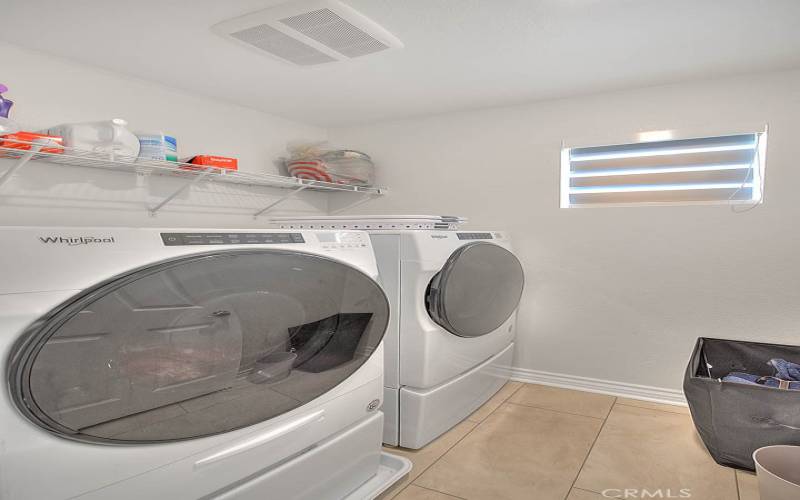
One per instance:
(327, 28)
(273, 41)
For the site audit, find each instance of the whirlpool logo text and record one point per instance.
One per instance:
(77, 240)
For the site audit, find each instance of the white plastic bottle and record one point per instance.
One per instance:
(111, 136)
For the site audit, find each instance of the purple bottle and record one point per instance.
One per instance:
(5, 104)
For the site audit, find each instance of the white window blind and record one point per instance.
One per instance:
(726, 169)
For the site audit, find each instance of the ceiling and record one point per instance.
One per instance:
(459, 54)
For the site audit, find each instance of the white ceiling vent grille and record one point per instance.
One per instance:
(276, 43)
(310, 32)
(332, 31)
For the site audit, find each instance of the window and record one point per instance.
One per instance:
(722, 170)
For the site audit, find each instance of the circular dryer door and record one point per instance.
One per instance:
(476, 291)
(197, 346)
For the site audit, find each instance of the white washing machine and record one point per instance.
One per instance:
(449, 347)
(185, 364)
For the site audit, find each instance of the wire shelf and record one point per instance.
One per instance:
(21, 152)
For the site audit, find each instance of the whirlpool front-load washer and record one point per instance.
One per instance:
(185, 364)
(449, 347)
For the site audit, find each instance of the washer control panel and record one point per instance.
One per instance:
(474, 236)
(184, 239)
(342, 239)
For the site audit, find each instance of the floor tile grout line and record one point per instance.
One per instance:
(738, 491)
(477, 424)
(450, 448)
(437, 461)
(557, 411)
(613, 404)
(594, 442)
(649, 408)
(437, 491)
(586, 490)
(505, 400)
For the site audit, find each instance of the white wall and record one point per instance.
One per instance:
(618, 294)
(48, 91)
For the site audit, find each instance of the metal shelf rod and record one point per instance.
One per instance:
(35, 147)
(175, 193)
(363, 200)
(280, 200)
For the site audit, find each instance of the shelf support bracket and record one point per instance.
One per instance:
(36, 146)
(277, 202)
(362, 200)
(154, 210)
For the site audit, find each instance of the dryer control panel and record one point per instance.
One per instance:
(184, 239)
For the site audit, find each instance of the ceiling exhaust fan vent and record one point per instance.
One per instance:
(309, 32)
(276, 43)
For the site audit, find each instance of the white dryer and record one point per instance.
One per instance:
(185, 364)
(449, 347)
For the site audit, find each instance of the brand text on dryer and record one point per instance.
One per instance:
(76, 240)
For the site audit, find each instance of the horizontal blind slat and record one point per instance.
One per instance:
(743, 141)
(737, 176)
(688, 159)
(721, 195)
(659, 170)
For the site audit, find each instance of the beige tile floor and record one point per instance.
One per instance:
(536, 442)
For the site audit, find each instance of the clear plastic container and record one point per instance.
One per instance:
(110, 136)
(318, 161)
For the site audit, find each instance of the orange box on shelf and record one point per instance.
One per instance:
(22, 140)
(213, 161)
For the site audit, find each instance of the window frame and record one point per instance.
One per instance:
(758, 181)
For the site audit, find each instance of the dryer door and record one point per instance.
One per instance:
(197, 346)
(477, 290)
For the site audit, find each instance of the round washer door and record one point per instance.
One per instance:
(196, 346)
(477, 290)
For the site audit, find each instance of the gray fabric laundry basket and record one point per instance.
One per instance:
(734, 420)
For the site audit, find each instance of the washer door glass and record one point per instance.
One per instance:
(198, 346)
(477, 290)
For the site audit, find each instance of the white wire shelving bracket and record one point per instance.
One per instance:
(364, 199)
(35, 147)
(280, 200)
(191, 181)
(22, 152)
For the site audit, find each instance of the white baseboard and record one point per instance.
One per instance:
(622, 389)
